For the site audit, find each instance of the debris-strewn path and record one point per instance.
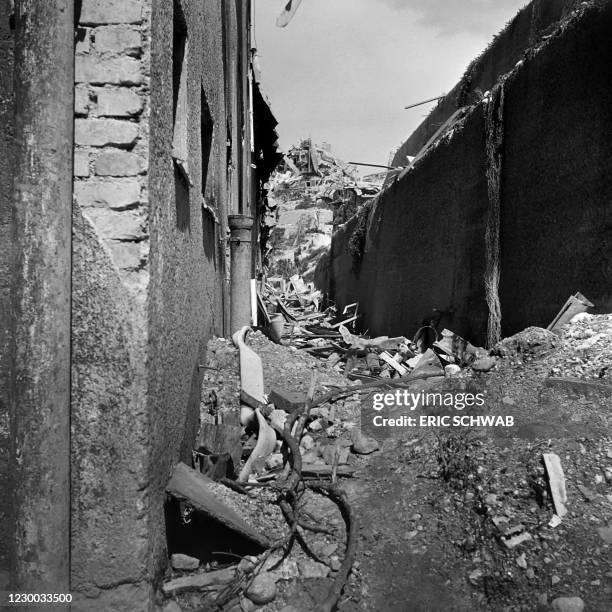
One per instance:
(452, 519)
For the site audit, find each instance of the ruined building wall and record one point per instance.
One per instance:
(146, 276)
(425, 247)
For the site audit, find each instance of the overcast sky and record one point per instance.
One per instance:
(343, 70)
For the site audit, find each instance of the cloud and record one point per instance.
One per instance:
(455, 16)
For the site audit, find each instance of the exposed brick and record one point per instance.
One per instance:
(118, 163)
(112, 194)
(95, 12)
(118, 103)
(118, 225)
(81, 100)
(118, 39)
(98, 71)
(127, 255)
(102, 132)
(81, 164)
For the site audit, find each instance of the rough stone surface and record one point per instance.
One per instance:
(103, 132)
(106, 355)
(567, 604)
(171, 606)
(118, 103)
(127, 255)
(118, 39)
(81, 164)
(363, 445)
(118, 163)
(94, 12)
(262, 589)
(116, 70)
(81, 100)
(484, 364)
(114, 194)
(184, 562)
(118, 225)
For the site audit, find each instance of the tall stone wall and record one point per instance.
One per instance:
(425, 247)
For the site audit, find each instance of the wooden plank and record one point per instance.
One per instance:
(189, 486)
(398, 367)
(556, 480)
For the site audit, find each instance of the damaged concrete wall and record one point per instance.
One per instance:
(425, 247)
(147, 276)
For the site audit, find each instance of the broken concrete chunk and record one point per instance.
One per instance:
(197, 582)
(190, 486)
(484, 364)
(277, 418)
(556, 481)
(363, 445)
(289, 401)
(274, 461)
(262, 590)
(309, 568)
(514, 541)
(184, 562)
(452, 369)
(429, 365)
(606, 534)
(568, 604)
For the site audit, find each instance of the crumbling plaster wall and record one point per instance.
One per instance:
(146, 283)
(425, 246)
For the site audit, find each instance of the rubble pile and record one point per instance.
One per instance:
(310, 191)
(519, 519)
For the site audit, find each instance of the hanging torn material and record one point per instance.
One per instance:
(287, 15)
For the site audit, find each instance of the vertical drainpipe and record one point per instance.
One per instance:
(240, 247)
(241, 225)
(40, 377)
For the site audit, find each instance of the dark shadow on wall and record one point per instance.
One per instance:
(181, 199)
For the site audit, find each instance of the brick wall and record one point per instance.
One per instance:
(111, 129)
